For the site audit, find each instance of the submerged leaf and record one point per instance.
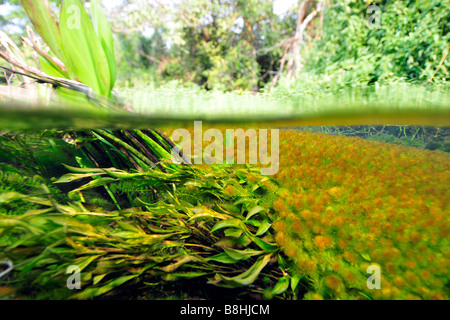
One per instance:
(94, 292)
(223, 258)
(265, 225)
(295, 279)
(104, 33)
(183, 275)
(204, 212)
(75, 176)
(281, 286)
(180, 261)
(248, 277)
(94, 184)
(266, 246)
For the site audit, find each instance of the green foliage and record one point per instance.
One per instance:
(174, 237)
(105, 36)
(235, 70)
(11, 182)
(129, 218)
(229, 45)
(84, 49)
(85, 55)
(237, 45)
(152, 228)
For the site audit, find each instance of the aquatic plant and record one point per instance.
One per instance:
(135, 218)
(82, 71)
(346, 203)
(175, 236)
(350, 203)
(132, 218)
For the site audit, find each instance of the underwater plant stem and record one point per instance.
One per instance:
(152, 134)
(144, 148)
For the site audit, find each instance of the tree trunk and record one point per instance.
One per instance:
(291, 60)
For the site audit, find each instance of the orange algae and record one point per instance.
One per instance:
(355, 203)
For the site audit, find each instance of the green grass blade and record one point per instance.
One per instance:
(83, 48)
(93, 292)
(94, 184)
(52, 69)
(222, 258)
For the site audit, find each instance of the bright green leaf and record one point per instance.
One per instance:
(253, 211)
(281, 286)
(248, 277)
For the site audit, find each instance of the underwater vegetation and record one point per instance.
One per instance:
(336, 206)
(176, 237)
(349, 203)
